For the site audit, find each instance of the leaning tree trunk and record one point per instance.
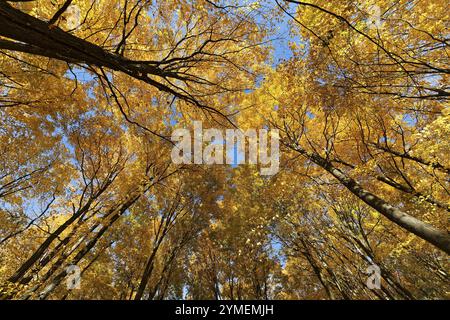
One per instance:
(438, 238)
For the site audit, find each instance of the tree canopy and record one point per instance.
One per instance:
(92, 90)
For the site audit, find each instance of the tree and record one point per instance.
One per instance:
(91, 92)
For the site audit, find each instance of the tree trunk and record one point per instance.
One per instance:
(438, 238)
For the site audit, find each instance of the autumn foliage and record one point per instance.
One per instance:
(91, 91)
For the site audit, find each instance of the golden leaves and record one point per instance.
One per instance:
(367, 100)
